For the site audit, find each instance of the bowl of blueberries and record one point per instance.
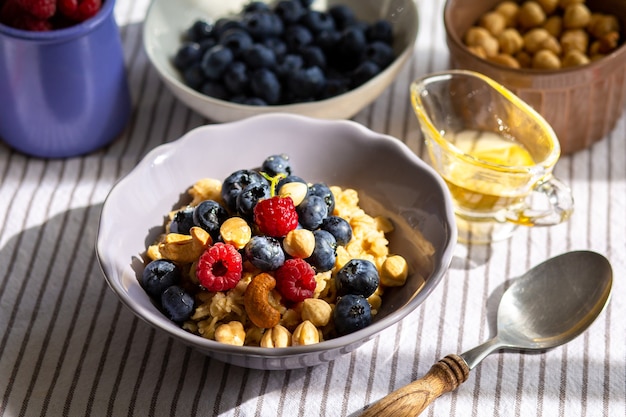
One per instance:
(281, 257)
(325, 59)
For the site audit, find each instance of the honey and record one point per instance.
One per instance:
(470, 187)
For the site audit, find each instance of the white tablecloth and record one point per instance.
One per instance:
(69, 348)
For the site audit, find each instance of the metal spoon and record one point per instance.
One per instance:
(548, 306)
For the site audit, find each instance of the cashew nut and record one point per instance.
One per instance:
(185, 248)
(256, 301)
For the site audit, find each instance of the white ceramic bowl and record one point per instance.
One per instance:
(167, 20)
(390, 179)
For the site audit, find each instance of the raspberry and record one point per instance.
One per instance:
(276, 216)
(79, 10)
(295, 280)
(219, 267)
(40, 9)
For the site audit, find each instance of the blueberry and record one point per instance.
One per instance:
(259, 56)
(306, 3)
(306, 83)
(276, 45)
(327, 41)
(339, 228)
(223, 24)
(234, 183)
(289, 64)
(254, 101)
(199, 30)
(334, 87)
(324, 254)
(357, 276)
(379, 53)
(297, 36)
(351, 47)
(264, 252)
(262, 24)
(352, 313)
(313, 56)
(256, 6)
(215, 61)
(237, 40)
(210, 215)
(364, 72)
(312, 211)
(236, 78)
(290, 11)
(342, 15)
(189, 53)
(214, 89)
(276, 164)
(317, 21)
(158, 275)
(249, 196)
(265, 84)
(194, 76)
(182, 221)
(381, 30)
(322, 190)
(177, 304)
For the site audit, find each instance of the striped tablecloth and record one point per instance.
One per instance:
(69, 348)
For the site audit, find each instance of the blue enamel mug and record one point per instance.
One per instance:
(64, 92)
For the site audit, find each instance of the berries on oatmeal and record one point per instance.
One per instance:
(287, 254)
(352, 313)
(158, 275)
(219, 267)
(295, 280)
(276, 216)
(265, 253)
(177, 304)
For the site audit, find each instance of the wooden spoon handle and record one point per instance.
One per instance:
(444, 376)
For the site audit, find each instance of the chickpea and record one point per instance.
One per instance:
(576, 16)
(530, 15)
(564, 3)
(494, 22)
(574, 58)
(546, 59)
(510, 41)
(524, 59)
(554, 25)
(608, 42)
(508, 9)
(575, 39)
(539, 38)
(548, 6)
(601, 24)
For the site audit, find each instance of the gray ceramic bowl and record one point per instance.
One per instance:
(167, 20)
(391, 180)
